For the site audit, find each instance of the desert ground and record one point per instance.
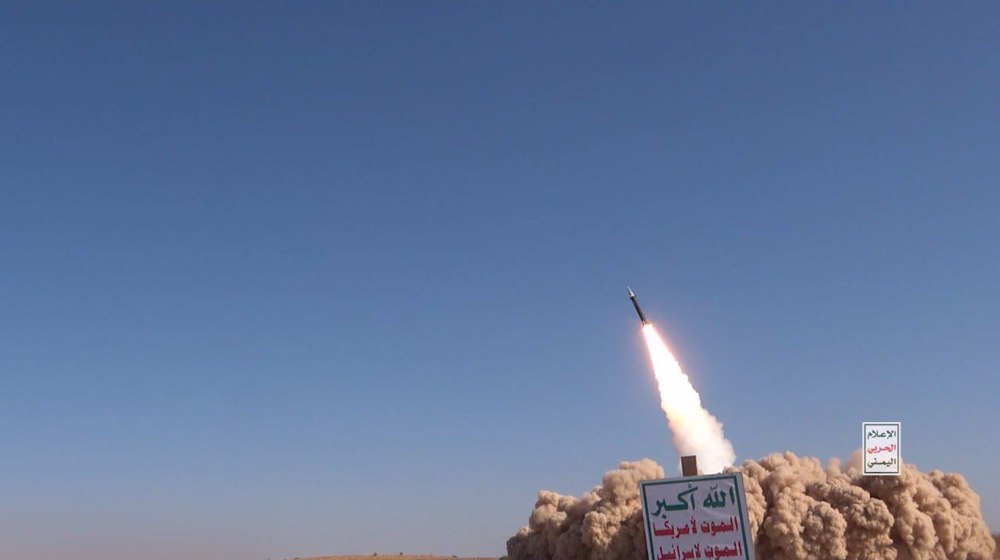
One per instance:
(393, 557)
(996, 555)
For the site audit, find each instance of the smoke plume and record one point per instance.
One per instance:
(798, 510)
(695, 430)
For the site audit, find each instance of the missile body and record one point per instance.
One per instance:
(635, 303)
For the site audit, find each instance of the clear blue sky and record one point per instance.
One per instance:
(299, 278)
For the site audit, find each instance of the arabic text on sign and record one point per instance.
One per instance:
(696, 551)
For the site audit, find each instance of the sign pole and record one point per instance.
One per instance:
(689, 465)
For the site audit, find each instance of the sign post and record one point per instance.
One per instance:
(880, 444)
(689, 465)
(697, 517)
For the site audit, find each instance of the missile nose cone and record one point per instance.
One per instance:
(631, 294)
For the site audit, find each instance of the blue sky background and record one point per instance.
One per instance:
(312, 278)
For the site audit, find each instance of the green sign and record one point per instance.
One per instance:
(697, 517)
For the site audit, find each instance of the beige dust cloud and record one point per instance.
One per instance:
(799, 509)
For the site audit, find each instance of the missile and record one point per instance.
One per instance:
(635, 303)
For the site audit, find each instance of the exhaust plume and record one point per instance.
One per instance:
(798, 510)
(695, 431)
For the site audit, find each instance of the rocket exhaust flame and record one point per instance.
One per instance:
(695, 431)
(798, 509)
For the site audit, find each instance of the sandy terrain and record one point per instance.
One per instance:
(996, 555)
(394, 557)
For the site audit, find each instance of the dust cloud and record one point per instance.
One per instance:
(799, 509)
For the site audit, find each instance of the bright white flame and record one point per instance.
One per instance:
(695, 430)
